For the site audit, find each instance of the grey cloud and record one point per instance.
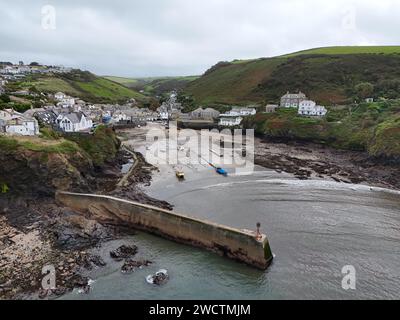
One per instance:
(183, 37)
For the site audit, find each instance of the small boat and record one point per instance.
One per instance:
(221, 171)
(159, 278)
(180, 175)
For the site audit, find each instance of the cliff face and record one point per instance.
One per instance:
(31, 172)
(37, 166)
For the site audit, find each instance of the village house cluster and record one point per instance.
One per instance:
(235, 116)
(172, 110)
(299, 101)
(9, 71)
(3, 82)
(71, 114)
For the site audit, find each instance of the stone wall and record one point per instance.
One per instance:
(236, 244)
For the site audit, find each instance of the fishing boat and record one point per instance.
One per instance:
(180, 175)
(221, 171)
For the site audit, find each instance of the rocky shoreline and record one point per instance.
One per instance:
(307, 160)
(36, 232)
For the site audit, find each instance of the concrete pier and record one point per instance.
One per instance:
(240, 245)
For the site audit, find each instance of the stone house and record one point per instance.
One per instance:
(14, 123)
(46, 117)
(271, 108)
(206, 114)
(292, 100)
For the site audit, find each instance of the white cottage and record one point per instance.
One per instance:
(59, 96)
(244, 111)
(163, 113)
(230, 121)
(119, 116)
(310, 108)
(74, 122)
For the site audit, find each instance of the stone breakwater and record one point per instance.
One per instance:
(240, 245)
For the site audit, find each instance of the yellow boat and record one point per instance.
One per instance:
(180, 175)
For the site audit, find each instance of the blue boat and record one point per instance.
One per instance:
(106, 119)
(222, 172)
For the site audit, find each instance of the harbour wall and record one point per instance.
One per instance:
(240, 245)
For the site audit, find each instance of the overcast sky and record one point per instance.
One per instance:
(184, 37)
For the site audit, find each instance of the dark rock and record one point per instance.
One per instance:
(88, 260)
(86, 289)
(70, 235)
(77, 281)
(130, 266)
(124, 252)
(7, 241)
(97, 261)
(43, 293)
(60, 291)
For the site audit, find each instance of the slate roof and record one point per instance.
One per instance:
(75, 117)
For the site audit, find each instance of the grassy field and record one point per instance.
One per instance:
(159, 86)
(121, 80)
(83, 85)
(51, 84)
(349, 50)
(327, 75)
(37, 144)
(154, 86)
(107, 89)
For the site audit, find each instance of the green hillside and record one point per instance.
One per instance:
(350, 50)
(327, 75)
(154, 86)
(121, 80)
(372, 127)
(82, 84)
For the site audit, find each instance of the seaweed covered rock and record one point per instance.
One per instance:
(124, 252)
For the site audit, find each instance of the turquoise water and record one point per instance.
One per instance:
(315, 229)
